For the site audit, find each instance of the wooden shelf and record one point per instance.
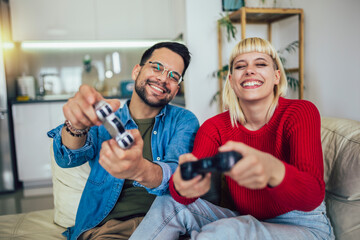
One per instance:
(292, 70)
(267, 16)
(264, 15)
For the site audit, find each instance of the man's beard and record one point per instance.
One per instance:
(141, 92)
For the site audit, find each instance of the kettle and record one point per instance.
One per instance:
(26, 86)
(50, 84)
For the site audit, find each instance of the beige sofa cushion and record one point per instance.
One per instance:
(341, 147)
(68, 184)
(32, 225)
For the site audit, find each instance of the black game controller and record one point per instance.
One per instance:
(113, 125)
(221, 162)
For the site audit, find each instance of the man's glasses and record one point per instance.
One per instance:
(174, 76)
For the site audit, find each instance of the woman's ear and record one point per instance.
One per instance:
(135, 72)
(230, 79)
(277, 77)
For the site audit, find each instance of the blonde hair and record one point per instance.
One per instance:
(230, 99)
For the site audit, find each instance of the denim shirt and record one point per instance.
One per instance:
(173, 134)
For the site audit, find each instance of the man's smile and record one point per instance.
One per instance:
(157, 87)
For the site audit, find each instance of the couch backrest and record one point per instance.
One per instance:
(341, 148)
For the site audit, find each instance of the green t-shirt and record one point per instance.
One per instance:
(135, 200)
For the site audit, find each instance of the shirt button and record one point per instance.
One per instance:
(155, 132)
(158, 158)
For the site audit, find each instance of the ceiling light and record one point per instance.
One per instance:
(86, 44)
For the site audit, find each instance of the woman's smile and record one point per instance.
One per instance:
(251, 83)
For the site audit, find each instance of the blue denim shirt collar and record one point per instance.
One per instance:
(125, 114)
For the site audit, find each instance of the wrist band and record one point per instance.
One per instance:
(73, 131)
(74, 134)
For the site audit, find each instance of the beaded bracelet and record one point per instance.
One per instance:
(73, 131)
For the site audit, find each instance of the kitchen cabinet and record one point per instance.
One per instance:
(32, 121)
(96, 19)
(52, 20)
(139, 19)
(32, 145)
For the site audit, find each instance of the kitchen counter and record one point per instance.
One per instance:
(14, 101)
(179, 100)
(50, 98)
(39, 99)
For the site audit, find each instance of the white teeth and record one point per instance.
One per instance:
(156, 88)
(251, 84)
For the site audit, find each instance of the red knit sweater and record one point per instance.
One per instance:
(293, 136)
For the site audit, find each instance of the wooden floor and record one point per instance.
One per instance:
(27, 200)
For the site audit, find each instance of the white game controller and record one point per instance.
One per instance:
(113, 125)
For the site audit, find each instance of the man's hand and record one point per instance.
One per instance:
(80, 111)
(256, 169)
(129, 163)
(195, 187)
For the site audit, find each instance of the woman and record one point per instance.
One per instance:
(277, 187)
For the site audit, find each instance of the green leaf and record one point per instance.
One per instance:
(230, 28)
(221, 72)
(215, 98)
(290, 48)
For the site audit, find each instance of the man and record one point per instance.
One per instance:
(123, 183)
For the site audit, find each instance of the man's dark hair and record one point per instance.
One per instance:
(176, 47)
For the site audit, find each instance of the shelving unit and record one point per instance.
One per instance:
(267, 16)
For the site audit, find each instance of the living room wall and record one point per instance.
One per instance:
(331, 54)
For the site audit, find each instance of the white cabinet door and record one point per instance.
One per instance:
(52, 20)
(96, 19)
(56, 114)
(139, 19)
(32, 145)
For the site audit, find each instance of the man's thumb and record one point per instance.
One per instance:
(114, 103)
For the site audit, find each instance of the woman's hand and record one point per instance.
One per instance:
(195, 187)
(256, 169)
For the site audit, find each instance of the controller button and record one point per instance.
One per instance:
(102, 113)
(108, 108)
(130, 138)
(124, 142)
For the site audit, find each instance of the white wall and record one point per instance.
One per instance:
(201, 38)
(332, 50)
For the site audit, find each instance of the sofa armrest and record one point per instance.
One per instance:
(341, 148)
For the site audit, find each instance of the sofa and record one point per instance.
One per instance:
(341, 148)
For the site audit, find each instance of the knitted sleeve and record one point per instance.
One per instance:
(303, 187)
(206, 144)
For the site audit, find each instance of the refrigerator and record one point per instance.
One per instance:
(7, 181)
